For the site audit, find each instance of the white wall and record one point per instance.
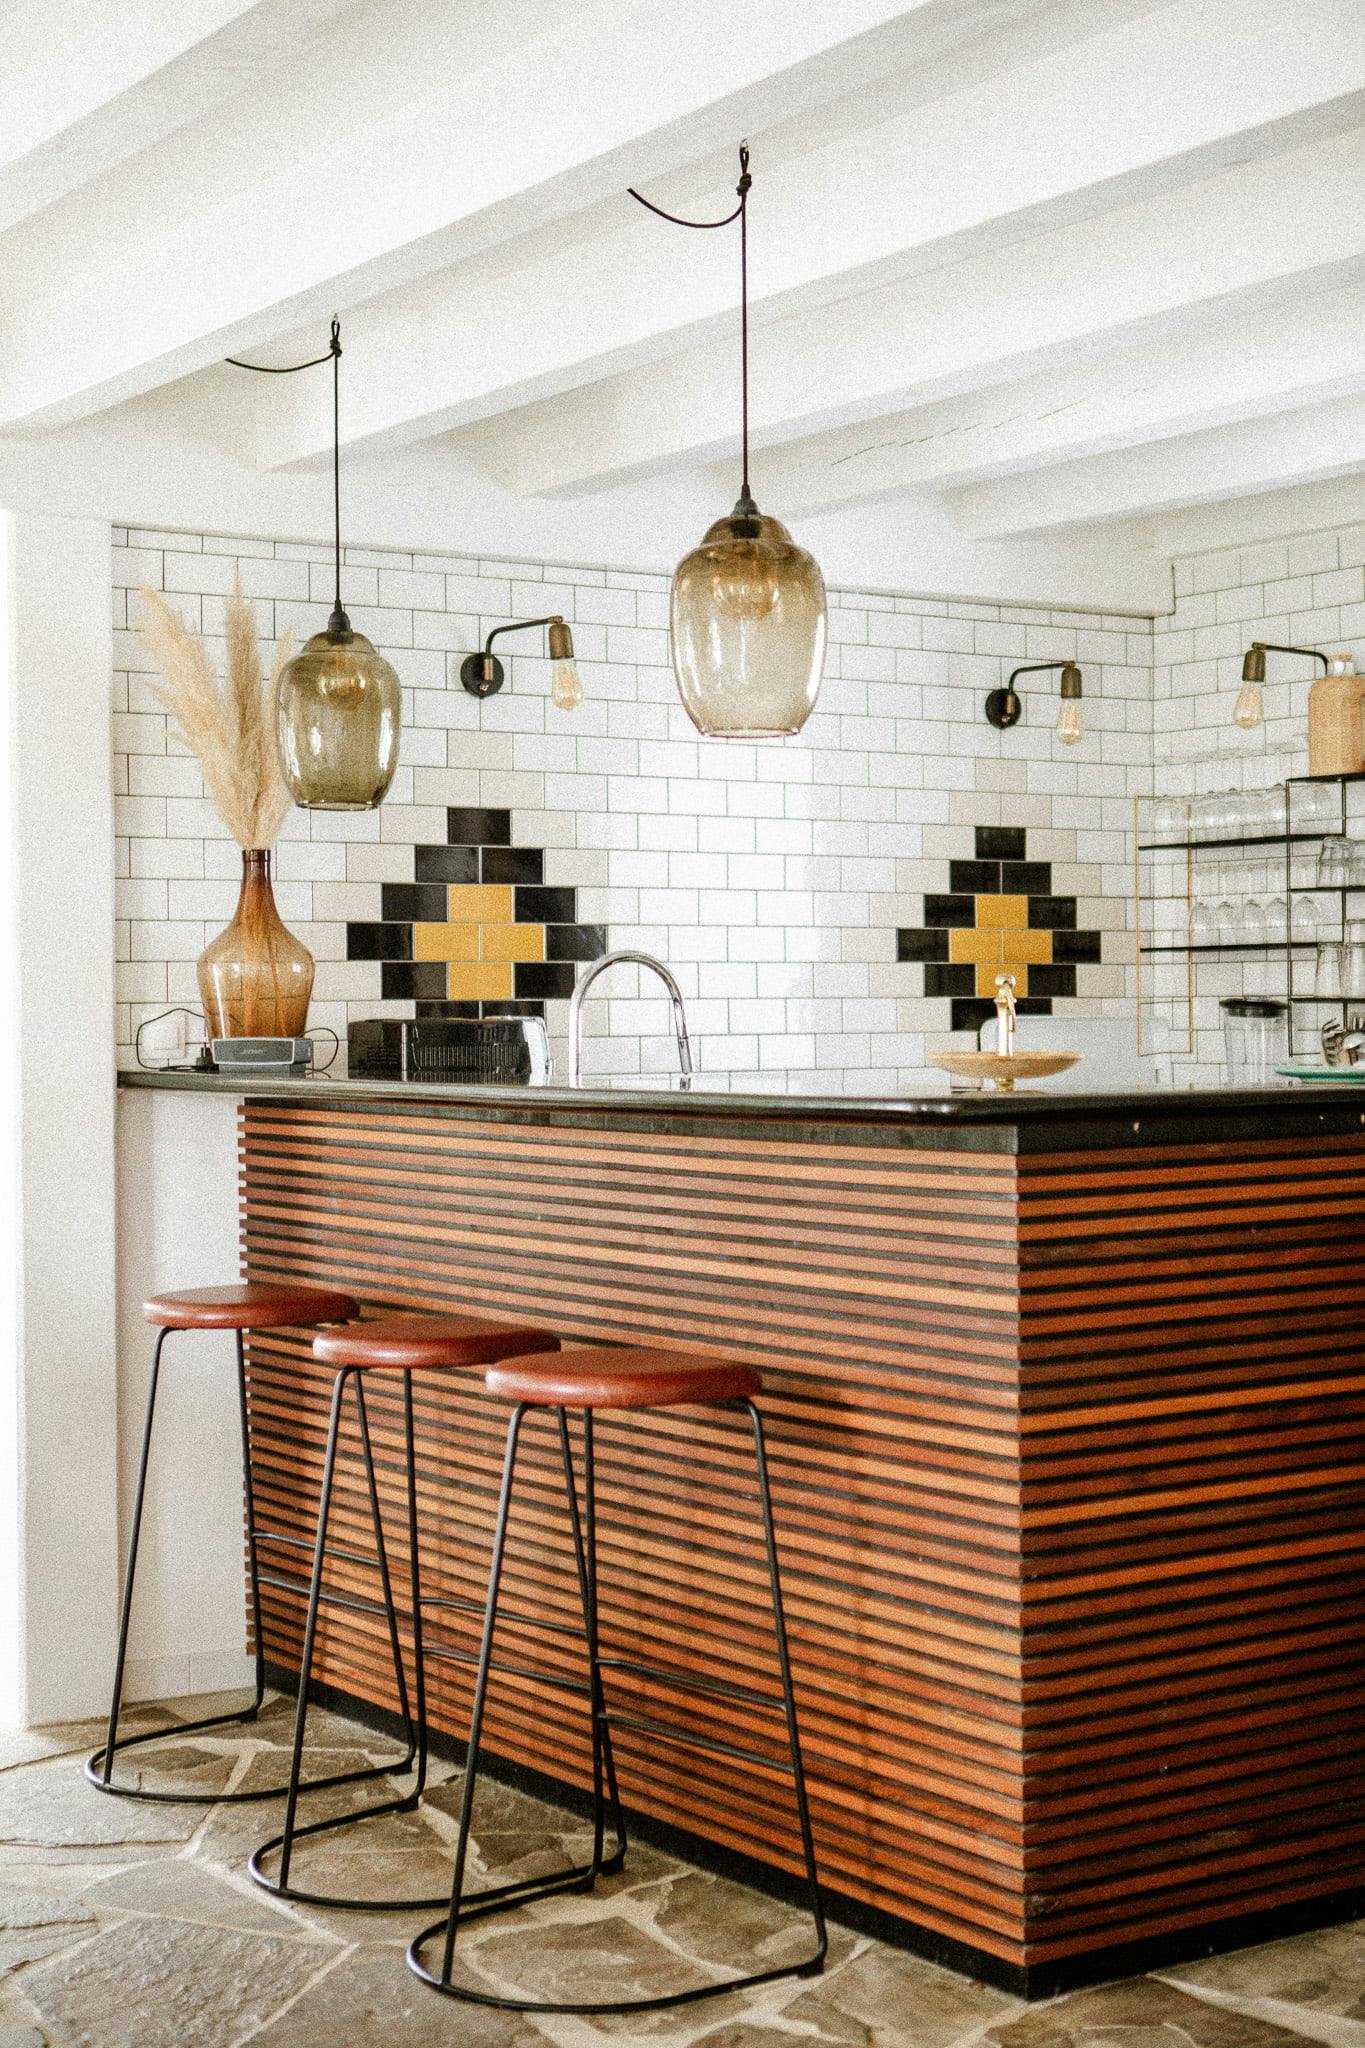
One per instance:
(177, 1227)
(60, 1416)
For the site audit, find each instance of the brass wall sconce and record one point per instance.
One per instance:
(1004, 707)
(483, 674)
(1249, 710)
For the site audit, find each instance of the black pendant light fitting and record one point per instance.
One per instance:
(748, 606)
(339, 705)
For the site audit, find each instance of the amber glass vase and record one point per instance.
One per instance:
(255, 978)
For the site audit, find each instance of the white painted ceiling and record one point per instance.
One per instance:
(1023, 272)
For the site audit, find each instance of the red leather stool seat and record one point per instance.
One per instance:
(421, 1343)
(254, 1305)
(636, 1376)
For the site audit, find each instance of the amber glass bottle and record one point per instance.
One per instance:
(255, 978)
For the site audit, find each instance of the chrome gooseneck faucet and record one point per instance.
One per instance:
(585, 982)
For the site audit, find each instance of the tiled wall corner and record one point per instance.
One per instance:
(1307, 591)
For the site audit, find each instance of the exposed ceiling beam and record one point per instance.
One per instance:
(611, 292)
(1223, 462)
(447, 176)
(1265, 225)
(1255, 354)
(116, 79)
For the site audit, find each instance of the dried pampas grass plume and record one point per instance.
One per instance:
(230, 725)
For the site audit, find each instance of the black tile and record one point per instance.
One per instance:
(402, 980)
(379, 942)
(949, 981)
(447, 864)
(1000, 842)
(974, 877)
(949, 910)
(1052, 913)
(1034, 1006)
(414, 902)
(575, 941)
(512, 1009)
(1027, 877)
(1052, 981)
(447, 1009)
(970, 1013)
(512, 864)
(922, 945)
(1082, 946)
(544, 978)
(547, 906)
(470, 826)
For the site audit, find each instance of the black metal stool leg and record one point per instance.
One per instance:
(585, 1554)
(510, 1895)
(99, 1767)
(416, 1731)
(101, 1764)
(816, 1962)
(252, 1559)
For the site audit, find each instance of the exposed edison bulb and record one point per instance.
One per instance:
(1249, 710)
(566, 688)
(1070, 724)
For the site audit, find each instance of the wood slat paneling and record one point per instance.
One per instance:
(1067, 1458)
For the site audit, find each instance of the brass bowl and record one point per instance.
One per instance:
(1004, 1068)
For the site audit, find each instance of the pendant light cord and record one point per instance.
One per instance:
(741, 214)
(338, 623)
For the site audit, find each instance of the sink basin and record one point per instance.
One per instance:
(1005, 1068)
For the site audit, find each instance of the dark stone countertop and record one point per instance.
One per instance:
(1026, 1121)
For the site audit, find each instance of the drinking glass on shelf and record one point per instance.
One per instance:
(1227, 911)
(1276, 911)
(1330, 970)
(1353, 961)
(1251, 922)
(1355, 863)
(1203, 927)
(1170, 819)
(1334, 863)
(1306, 918)
(1313, 806)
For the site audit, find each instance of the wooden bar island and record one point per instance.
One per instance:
(1065, 1399)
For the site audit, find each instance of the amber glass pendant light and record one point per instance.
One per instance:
(748, 605)
(339, 703)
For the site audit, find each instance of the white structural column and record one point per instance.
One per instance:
(59, 1427)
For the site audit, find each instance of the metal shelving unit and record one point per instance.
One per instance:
(1191, 849)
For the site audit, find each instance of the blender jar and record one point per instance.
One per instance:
(1255, 1040)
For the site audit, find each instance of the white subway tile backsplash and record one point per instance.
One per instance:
(773, 877)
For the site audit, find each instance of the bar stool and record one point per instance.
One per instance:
(254, 1305)
(402, 1344)
(589, 1379)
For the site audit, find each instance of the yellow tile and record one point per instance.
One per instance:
(488, 982)
(1027, 947)
(480, 903)
(985, 979)
(1002, 912)
(964, 944)
(445, 942)
(513, 941)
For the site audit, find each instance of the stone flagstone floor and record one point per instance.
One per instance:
(127, 1926)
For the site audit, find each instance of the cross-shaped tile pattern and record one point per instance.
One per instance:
(998, 915)
(477, 930)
